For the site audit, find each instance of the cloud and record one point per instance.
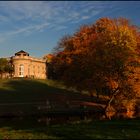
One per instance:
(26, 17)
(60, 28)
(3, 18)
(85, 17)
(24, 31)
(37, 10)
(2, 39)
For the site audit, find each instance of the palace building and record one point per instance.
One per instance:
(27, 66)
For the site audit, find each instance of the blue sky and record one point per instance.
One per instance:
(37, 26)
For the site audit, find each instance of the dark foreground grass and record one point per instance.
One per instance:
(114, 129)
(32, 91)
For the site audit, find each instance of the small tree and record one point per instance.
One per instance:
(5, 67)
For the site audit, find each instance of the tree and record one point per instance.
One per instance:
(118, 45)
(101, 57)
(5, 66)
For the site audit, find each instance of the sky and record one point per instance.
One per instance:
(37, 26)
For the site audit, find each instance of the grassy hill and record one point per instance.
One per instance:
(29, 90)
(30, 94)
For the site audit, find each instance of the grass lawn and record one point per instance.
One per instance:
(105, 129)
(28, 94)
(29, 91)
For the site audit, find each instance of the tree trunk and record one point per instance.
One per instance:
(114, 93)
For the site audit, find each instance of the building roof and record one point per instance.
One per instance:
(22, 52)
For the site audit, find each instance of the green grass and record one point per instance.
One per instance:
(105, 129)
(26, 95)
(26, 90)
(30, 91)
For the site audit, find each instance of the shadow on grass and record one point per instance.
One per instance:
(27, 90)
(27, 95)
(34, 90)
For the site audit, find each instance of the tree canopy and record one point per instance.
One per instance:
(101, 57)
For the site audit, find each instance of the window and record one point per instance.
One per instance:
(42, 70)
(33, 69)
(38, 69)
(21, 70)
(29, 70)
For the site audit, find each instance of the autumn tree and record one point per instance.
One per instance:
(101, 57)
(5, 66)
(118, 48)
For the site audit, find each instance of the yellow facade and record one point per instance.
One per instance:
(27, 66)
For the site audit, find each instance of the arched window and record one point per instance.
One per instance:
(21, 70)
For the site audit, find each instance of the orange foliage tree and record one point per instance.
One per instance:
(101, 57)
